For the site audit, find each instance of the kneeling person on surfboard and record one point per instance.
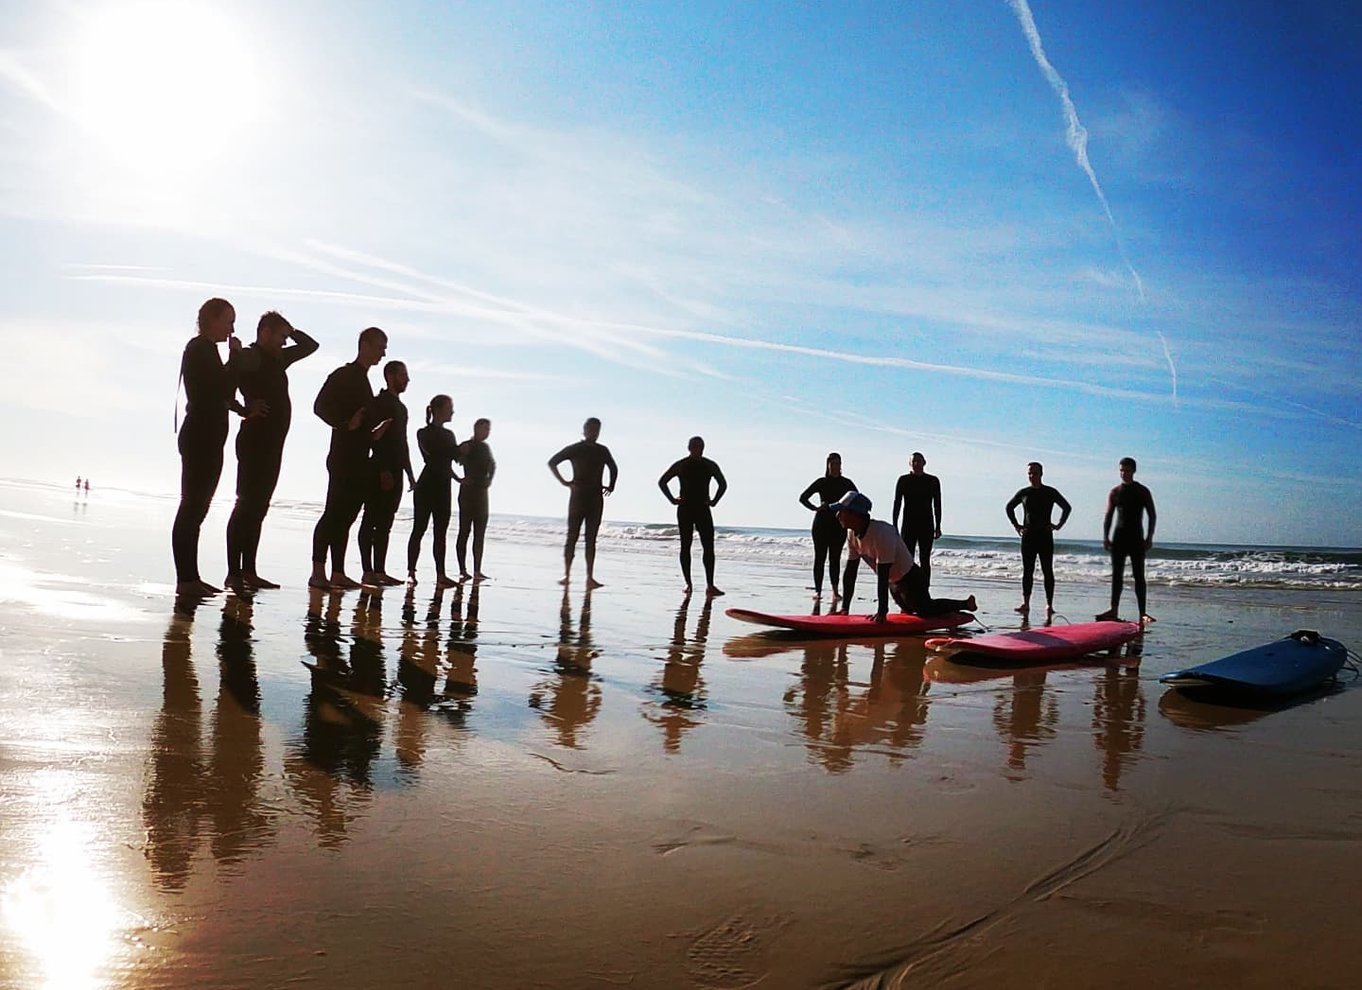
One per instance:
(879, 544)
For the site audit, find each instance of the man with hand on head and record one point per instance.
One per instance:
(879, 544)
(263, 380)
(344, 404)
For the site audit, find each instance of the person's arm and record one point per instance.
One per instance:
(406, 460)
(614, 473)
(1012, 504)
(849, 581)
(1106, 520)
(331, 406)
(898, 501)
(804, 496)
(723, 486)
(882, 584)
(667, 476)
(1064, 509)
(491, 467)
(1153, 518)
(936, 506)
(557, 459)
(302, 346)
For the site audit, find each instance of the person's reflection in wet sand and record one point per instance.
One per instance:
(1118, 714)
(416, 672)
(1025, 717)
(339, 741)
(237, 762)
(679, 688)
(461, 676)
(815, 702)
(172, 806)
(894, 708)
(571, 699)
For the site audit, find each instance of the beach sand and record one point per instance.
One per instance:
(513, 786)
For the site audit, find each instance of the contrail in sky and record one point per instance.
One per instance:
(1076, 135)
(1172, 368)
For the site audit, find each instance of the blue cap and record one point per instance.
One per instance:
(852, 502)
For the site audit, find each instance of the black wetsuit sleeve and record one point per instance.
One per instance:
(334, 404)
(614, 471)
(302, 346)
(723, 485)
(561, 456)
(1153, 516)
(849, 579)
(882, 588)
(899, 496)
(804, 495)
(1012, 504)
(667, 476)
(936, 500)
(1064, 509)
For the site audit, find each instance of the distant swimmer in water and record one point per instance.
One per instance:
(478, 469)
(919, 495)
(432, 499)
(210, 391)
(828, 535)
(1127, 503)
(87, 486)
(881, 546)
(77, 482)
(260, 440)
(694, 473)
(345, 403)
(389, 462)
(1037, 533)
(590, 460)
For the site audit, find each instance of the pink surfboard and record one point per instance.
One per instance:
(1034, 645)
(895, 624)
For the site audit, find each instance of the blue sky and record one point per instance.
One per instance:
(990, 231)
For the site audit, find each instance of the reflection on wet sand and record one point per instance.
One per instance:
(330, 767)
(1025, 717)
(417, 667)
(679, 690)
(461, 677)
(186, 792)
(889, 714)
(1118, 716)
(570, 699)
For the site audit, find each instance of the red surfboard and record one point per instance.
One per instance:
(894, 624)
(1034, 645)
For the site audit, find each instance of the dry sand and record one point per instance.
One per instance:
(526, 788)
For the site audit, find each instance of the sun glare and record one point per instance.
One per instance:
(163, 84)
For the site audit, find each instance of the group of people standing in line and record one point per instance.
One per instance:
(369, 459)
(901, 550)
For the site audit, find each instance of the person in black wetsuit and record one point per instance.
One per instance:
(345, 404)
(1127, 503)
(693, 504)
(828, 535)
(590, 460)
(432, 494)
(1037, 533)
(389, 461)
(478, 469)
(210, 391)
(919, 495)
(260, 440)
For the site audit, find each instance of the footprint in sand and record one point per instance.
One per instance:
(732, 954)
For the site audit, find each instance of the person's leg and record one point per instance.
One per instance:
(685, 526)
(1028, 552)
(1047, 568)
(368, 525)
(262, 479)
(443, 507)
(200, 469)
(593, 526)
(480, 512)
(820, 556)
(925, 540)
(388, 503)
(574, 529)
(1137, 573)
(914, 597)
(465, 527)
(1118, 567)
(705, 527)
(420, 519)
(350, 499)
(236, 522)
(837, 541)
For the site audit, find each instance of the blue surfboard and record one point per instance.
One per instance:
(1290, 665)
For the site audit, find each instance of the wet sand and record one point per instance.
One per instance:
(513, 786)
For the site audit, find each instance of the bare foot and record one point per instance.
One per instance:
(593, 583)
(464, 576)
(1108, 616)
(712, 592)
(445, 581)
(256, 581)
(195, 589)
(1147, 619)
(387, 579)
(480, 577)
(340, 580)
(321, 584)
(411, 579)
(1024, 608)
(818, 595)
(564, 581)
(971, 605)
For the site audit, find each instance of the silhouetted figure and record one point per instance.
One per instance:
(919, 495)
(77, 483)
(680, 685)
(479, 467)
(695, 472)
(828, 535)
(345, 404)
(1037, 530)
(210, 391)
(1127, 503)
(87, 486)
(263, 379)
(432, 494)
(390, 460)
(880, 545)
(572, 699)
(590, 460)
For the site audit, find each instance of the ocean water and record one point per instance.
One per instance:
(1190, 565)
